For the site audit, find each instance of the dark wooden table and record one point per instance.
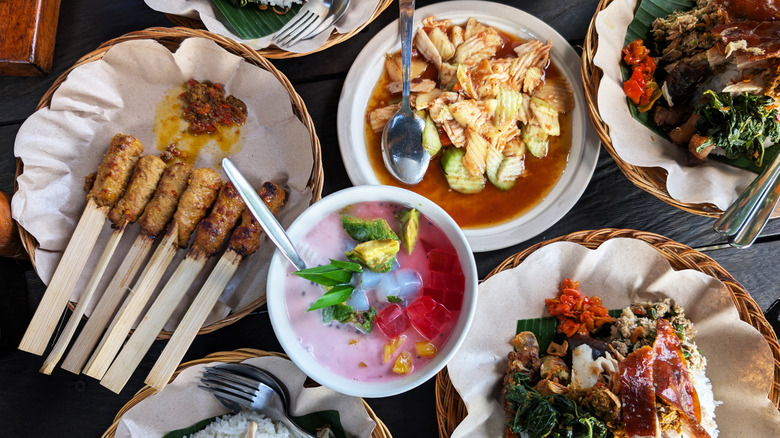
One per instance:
(63, 404)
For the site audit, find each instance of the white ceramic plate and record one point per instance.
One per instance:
(365, 73)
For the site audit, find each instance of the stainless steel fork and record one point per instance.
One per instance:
(238, 390)
(315, 17)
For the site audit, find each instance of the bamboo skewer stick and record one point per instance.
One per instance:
(157, 213)
(73, 322)
(210, 235)
(132, 306)
(89, 336)
(244, 242)
(111, 179)
(195, 201)
(142, 185)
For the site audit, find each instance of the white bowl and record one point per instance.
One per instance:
(368, 67)
(277, 307)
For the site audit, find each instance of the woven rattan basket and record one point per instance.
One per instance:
(277, 53)
(380, 431)
(649, 179)
(450, 409)
(171, 38)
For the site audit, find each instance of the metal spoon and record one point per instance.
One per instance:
(402, 149)
(258, 208)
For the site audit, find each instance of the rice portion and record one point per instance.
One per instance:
(236, 426)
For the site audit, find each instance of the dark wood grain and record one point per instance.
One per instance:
(63, 404)
(28, 28)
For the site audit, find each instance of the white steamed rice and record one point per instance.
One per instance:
(236, 425)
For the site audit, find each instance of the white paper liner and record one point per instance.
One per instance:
(182, 404)
(710, 182)
(357, 13)
(62, 144)
(620, 271)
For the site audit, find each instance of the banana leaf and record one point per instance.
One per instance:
(249, 22)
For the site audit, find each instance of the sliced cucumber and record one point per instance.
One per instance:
(431, 141)
(508, 172)
(535, 140)
(458, 177)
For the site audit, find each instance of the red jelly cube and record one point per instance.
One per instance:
(452, 300)
(392, 320)
(442, 261)
(427, 316)
(455, 282)
(420, 307)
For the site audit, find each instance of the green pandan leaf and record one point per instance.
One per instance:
(250, 22)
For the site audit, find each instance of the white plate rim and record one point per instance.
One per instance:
(585, 143)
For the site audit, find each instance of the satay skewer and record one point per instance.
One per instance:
(111, 179)
(243, 243)
(157, 213)
(193, 206)
(143, 182)
(209, 236)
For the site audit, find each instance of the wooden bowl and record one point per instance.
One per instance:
(450, 410)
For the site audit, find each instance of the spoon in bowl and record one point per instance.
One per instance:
(402, 148)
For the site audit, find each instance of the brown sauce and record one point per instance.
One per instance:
(170, 128)
(491, 206)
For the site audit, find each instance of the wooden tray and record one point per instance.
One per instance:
(277, 53)
(171, 38)
(380, 431)
(450, 410)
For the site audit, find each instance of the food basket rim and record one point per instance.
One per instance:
(277, 53)
(172, 37)
(649, 179)
(380, 431)
(450, 409)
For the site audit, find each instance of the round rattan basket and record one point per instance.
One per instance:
(450, 410)
(649, 179)
(380, 431)
(171, 38)
(277, 53)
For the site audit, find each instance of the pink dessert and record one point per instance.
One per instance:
(409, 329)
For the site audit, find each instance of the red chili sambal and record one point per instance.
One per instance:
(206, 107)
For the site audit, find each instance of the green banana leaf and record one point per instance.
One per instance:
(249, 22)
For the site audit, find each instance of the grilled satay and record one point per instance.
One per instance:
(142, 185)
(246, 238)
(213, 230)
(110, 182)
(114, 172)
(205, 184)
(155, 217)
(244, 242)
(163, 205)
(146, 175)
(193, 205)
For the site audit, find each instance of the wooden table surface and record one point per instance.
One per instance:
(64, 404)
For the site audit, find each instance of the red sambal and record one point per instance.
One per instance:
(206, 107)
